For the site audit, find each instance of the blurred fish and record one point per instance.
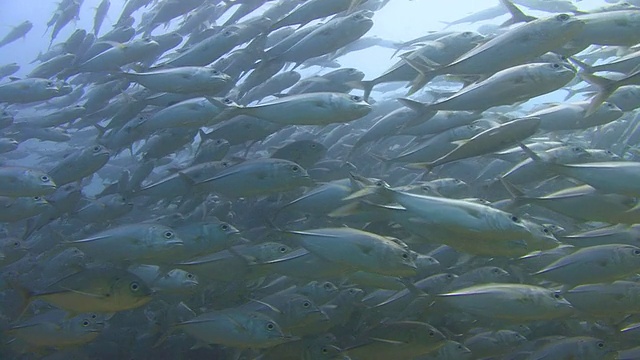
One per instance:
(16, 33)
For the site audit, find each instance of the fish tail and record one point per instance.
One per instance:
(425, 69)
(368, 88)
(584, 66)
(26, 295)
(530, 153)
(446, 23)
(426, 166)
(414, 105)
(346, 210)
(385, 162)
(516, 194)
(606, 87)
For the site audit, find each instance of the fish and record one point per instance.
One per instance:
(101, 13)
(16, 33)
(21, 181)
(614, 261)
(495, 300)
(359, 249)
(305, 109)
(100, 289)
(54, 329)
(235, 328)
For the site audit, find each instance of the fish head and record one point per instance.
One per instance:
(42, 180)
(570, 24)
(218, 75)
(596, 348)
(163, 237)
(265, 330)
(399, 261)
(560, 72)
(39, 201)
(183, 279)
(89, 323)
(543, 236)
(129, 289)
(13, 247)
(99, 152)
(360, 21)
(321, 351)
(560, 304)
(609, 109)
(296, 173)
(304, 310)
(629, 254)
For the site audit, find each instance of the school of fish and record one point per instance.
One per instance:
(205, 180)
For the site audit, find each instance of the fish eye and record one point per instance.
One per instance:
(219, 142)
(515, 218)
(295, 168)
(426, 188)
(467, 33)
(306, 304)
(313, 146)
(94, 316)
(379, 183)
(557, 296)
(609, 152)
(168, 234)
(16, 243)
(432, 333)
(356, 98)
(325, 350)
(44, 178)
(282, 249)
(576, 149)
(327, 286)
(215, 72)
(97, 149)
(636, 252)
(271, 326)
(227, 101)
(405, 256)
(545, 230)
(37, 198)
(134, 286)
(562, 17)
(189, 275)
(224, 227)
(227, 33)
(601, 345)
(85, 322)
(556, 66)
(49, 83)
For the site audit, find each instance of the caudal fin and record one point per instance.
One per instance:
(605, 86)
